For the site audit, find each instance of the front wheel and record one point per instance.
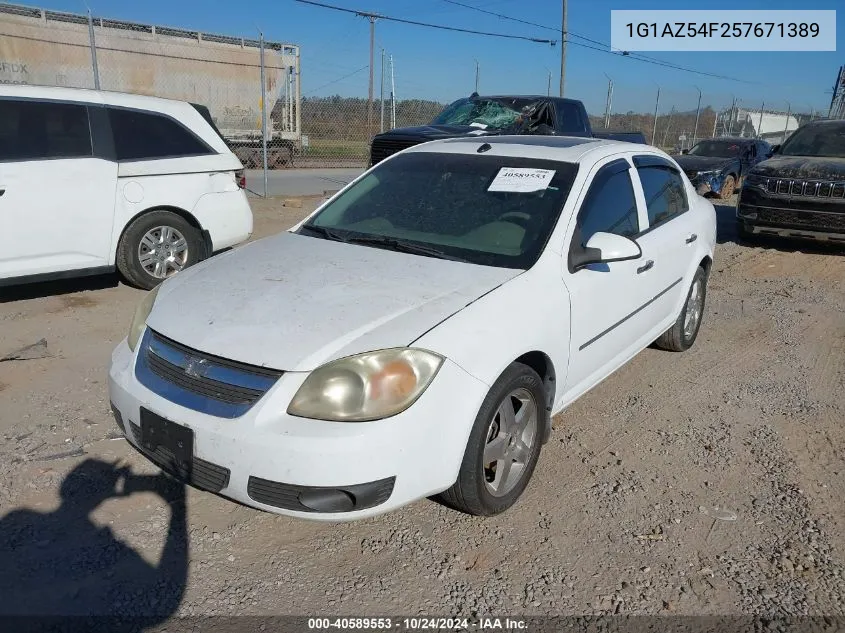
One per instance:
(504, 445)
(156, 246)
(683, 333)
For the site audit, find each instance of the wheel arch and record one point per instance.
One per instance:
(185, 215)
(543, 365)
(706, 263)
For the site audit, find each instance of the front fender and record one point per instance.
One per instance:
(529, 313)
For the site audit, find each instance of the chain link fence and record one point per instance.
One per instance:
(252, 89)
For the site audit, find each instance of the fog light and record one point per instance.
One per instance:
(327, 500)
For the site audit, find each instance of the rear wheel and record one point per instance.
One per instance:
(683, 333)
(156, 246)
(504, 445)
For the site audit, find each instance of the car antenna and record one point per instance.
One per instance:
(486, 147)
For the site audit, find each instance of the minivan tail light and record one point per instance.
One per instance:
(240, 177)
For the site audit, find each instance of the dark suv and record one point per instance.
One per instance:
(800, 191)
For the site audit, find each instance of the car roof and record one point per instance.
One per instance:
(569, 149)
(85, 95)
(532, 97)
(732, 139)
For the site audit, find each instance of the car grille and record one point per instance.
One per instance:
(384, 147)
(799, 187)
(806, 219)
(200, 381)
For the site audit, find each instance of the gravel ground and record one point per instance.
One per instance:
(704, 483)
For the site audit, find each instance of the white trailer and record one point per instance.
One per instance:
(223, 73)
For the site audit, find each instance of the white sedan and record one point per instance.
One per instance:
(415, 334)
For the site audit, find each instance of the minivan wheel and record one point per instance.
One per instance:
(156, 246)
(683, 333)
(503, 447)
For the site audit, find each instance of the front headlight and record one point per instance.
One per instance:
(140, 319)
(365, 387)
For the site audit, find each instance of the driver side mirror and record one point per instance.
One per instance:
(604, 248)
(684, 151)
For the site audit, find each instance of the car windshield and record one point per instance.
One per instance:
(718, 149)
(496, 113)
(825, 141)
(471, 207)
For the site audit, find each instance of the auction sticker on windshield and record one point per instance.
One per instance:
(521, 179)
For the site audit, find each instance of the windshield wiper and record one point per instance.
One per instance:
(402, 246)
(322, 231)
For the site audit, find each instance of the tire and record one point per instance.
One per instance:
(728, 188)
(181, 245)
(679, 338)
(481, 489)
(743, 233)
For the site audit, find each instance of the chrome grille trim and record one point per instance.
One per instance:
(200, 381)
(797, 187)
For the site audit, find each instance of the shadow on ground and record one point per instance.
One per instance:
(58, 287)
(726, 233)
(59, 564)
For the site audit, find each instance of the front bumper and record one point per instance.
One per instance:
(792, 223)
(314, 469)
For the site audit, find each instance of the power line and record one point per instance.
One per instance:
(636, 56)
(339, 79)
(380, 16)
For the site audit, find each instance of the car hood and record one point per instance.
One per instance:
(703, 163)
(434, 132)
(802, 167)
(292, 302)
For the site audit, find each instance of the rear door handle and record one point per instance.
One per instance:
(692, 238)
(647, 266)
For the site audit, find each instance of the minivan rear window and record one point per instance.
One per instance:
(146, 135)
(37, 130)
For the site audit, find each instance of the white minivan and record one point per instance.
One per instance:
(93, 180)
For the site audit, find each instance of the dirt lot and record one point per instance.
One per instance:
(625, 513)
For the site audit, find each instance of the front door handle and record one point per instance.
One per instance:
(692, 238)
(647, 266)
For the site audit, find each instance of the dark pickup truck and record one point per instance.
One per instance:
(494, 115)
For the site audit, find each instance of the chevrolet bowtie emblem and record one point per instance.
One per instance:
(196, 367)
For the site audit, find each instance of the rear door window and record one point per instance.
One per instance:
(39, 130)
(147, 135)
(569, 120)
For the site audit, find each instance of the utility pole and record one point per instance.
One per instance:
(668, 127)
(476, 75)
(563, 47)
(786, 125)
(607, 103)
(549, 86)
(656, 107)
(760, 124)
(381, 93)
(392, 96)
(372, 47)
(93, 44)
(697, 114)
(733, 114)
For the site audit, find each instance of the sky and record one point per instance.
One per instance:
(441, 65)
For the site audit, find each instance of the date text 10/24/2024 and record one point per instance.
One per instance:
(743, 30)
(418, 624)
